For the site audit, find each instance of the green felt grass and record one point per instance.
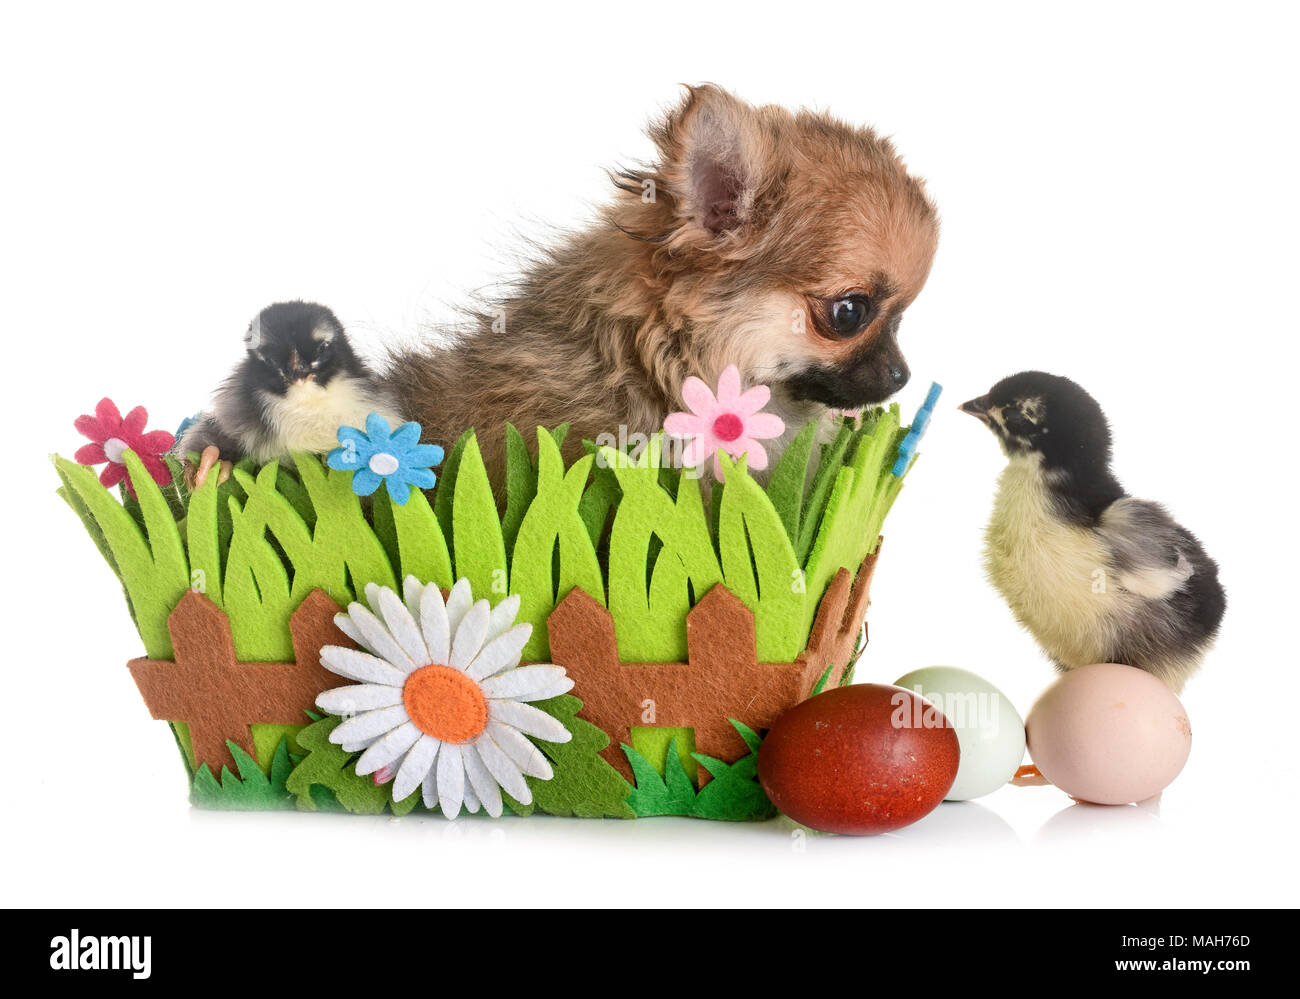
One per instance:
(150, 561)
(553, 525)
(759, 565)
(422, 549)
(327, 766)
(656, 742)
(785, 486)
(521, 485)
(251, 790)
(446, 491)
(584, 785)
(733, 794)
(650, 617)
(480, 551)
(340, 555)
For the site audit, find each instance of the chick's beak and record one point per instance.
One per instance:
(978, 408)
(299, 373)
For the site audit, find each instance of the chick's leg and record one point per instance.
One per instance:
(209, 459)
(206, 437)
(1029, 776)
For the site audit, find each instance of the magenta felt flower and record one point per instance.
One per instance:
(732, 421)
(112, 434)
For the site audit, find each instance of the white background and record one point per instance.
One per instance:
(1118, 190)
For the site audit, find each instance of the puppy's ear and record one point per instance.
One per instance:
(714, 160)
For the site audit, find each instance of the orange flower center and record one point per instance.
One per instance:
(445, 703)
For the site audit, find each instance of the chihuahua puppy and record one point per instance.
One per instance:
(786, 243)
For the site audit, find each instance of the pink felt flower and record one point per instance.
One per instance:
(731, 422)
(112, 434)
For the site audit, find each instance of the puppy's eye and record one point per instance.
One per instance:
(849, 315)
(1016, 421)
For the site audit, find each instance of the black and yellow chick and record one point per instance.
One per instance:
(1095, 575)
(299, 381)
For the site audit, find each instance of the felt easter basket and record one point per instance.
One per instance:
(686, 619)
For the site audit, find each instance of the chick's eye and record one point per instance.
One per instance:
(1016, 421)
(849, 315)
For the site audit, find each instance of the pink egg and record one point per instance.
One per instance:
(1109, 734)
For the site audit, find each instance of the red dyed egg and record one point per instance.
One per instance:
(859, 760)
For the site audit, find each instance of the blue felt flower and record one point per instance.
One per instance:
(395, 458)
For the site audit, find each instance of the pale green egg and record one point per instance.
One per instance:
(989, 729)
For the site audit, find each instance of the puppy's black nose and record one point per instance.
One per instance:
(898, 375)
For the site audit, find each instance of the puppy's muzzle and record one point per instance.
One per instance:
(864, 379)
(880, 370)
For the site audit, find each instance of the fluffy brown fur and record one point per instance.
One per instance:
(727, 249)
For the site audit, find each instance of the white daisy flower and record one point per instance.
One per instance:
(441, 700)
